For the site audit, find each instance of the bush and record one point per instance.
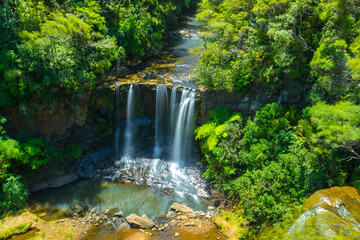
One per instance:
(14, 195)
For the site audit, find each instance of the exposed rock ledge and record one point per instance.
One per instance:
(55, 182)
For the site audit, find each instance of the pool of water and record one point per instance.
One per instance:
(127, 197)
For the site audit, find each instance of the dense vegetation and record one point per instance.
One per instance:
(268, 164)
(272, 43)
(59, 49)
(271, 163)
(28, 158)
(50, 47)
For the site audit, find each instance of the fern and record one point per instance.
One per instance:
(213, 130)
(211, 142)
(235, 117)
(220, 130)
(205, 130)
(220, 114)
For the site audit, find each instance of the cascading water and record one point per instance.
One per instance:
(184, 126)
(117, 118)
(129, 131)
(173, 108)
(160, 118)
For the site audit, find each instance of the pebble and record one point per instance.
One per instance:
(176, 234)
(187, 224)
(211, 208)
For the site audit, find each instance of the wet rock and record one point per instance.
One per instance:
(55, 182)
(143, 221)
(191, 215)
(171, 214)
(91, 162)
(111, 211)
(211, 208)
(183, 217)
(332, 213)
(180, 208)
(124, 227)
(202, 214)
(119, 214)
(79, 208)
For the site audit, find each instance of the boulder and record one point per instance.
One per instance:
(171, 214)
(180, 208)
(143, 221)
(119, 214)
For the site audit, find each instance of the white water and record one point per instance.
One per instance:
(173, 108)
(184, 126)
(129, 131)
(160, 118)
(117, 118)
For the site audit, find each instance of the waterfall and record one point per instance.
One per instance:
(160, 118)
(184, 126)
(129, 131)
(117, 119)
(282, 97)
(173, 108)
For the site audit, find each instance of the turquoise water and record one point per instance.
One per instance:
(128, 197)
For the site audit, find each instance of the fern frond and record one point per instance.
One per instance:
(235, 117)
(211, 142)
(205, 130)
(220, 114)
(220, 130)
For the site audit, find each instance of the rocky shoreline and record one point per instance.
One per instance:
(178, 219)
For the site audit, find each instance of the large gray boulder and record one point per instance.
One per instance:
(143, 221)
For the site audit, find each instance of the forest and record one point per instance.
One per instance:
(266, 165)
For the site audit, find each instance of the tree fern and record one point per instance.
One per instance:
(220, 130)
(211, 142)
(220, 114)
(213, 130)
(205, 130)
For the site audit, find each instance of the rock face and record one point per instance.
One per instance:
(247, 104)
(181, 208)
(90, 164)
(143, 221)
(55, 182)
(332, 213)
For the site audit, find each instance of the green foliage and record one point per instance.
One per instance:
(262, 165)
(213, 130)
(9, 232)
(13, 195)
(63, 48)
(266, 43)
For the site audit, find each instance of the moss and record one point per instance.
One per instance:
(232, 224)
(6, 233)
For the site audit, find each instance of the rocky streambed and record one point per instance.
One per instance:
(180, 222)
